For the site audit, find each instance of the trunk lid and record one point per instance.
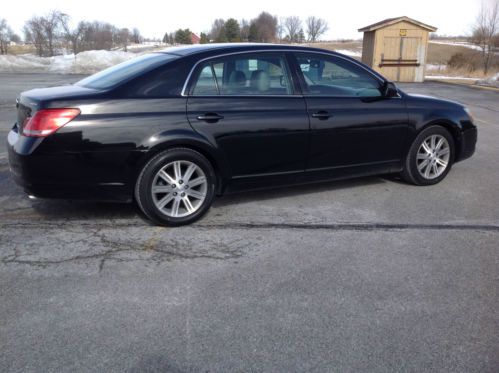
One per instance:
(29, 102)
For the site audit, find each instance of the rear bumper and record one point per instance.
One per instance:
(468, 144)
(58, 176)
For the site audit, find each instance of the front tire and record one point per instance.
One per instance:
(176, 187)
(430, 157)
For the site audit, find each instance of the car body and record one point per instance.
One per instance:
(262, 115)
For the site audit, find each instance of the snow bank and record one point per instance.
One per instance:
(435, 67)
(456, 43)
(494, 81)
(83, 63)
(23, 63)
(349, 52)
(448, 77)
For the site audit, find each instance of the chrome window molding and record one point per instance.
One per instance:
(184, 92)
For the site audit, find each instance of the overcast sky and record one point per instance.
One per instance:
(154, 18)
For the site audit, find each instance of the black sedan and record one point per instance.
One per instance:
(173, 129)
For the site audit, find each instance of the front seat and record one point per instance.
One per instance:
(260, 81)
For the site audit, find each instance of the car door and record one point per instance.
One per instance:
(246, 105)
(353, 127)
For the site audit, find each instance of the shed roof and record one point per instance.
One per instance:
(391, 21)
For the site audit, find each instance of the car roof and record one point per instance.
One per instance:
(234, 47)
(213, 49)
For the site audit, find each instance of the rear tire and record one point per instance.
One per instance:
(430, 157)
(176, 187)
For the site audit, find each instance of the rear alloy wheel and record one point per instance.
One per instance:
(176, 187)
(430, 157)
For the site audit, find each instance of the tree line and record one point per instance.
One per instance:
(265, 28)
(485, 34)
(7, 36)
(51, 32)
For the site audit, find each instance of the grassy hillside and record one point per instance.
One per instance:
(465, 61)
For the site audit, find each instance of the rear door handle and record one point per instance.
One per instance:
(210, 117)
(321, 114)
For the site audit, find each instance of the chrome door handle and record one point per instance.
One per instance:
(210, 117)
(322, 114)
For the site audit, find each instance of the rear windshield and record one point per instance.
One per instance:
(111, 76)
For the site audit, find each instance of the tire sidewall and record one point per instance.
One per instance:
(144, 185)
(412, 158)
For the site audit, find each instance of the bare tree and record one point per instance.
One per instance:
(136, 37)
(280, 29)
(15, 38)
(245, 26)
(73, 36)
(217, 32)
(5, 36)
(263, 29)
(122, 38)
(485, 32)
(316, 27)
(51, 24)
(45, 31)
(292, 25)
(34, 33)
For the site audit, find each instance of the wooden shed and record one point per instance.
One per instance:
(397, 48)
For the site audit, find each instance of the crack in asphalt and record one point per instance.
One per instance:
(164, 252)
(161, 251)
(355, 226)
(251, 225)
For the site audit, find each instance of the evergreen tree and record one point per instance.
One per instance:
(253, 32)
(301, 36)
(204, 39)
(232, 30)
(183, 36)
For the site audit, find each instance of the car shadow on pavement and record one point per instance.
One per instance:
(65, 209)
(296, 190)
(87, 210)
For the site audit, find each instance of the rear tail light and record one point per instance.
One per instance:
(47, 121)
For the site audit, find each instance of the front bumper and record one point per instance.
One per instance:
(468, 144)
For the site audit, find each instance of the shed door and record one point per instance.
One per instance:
(400, 58)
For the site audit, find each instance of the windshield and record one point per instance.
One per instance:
(111, 76)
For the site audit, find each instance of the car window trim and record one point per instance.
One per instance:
(291, 66)
(188, 84)
(215, 79)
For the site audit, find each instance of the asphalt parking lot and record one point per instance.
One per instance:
(363, 275)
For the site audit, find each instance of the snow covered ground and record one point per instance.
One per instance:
(349, 52)
(449, 77)
(493, 81)
(435, 67)
(83, 63)
(92, 61)
(456, 43)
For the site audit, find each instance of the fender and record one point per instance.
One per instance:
(183, 137)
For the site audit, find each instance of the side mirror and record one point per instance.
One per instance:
(390, 89)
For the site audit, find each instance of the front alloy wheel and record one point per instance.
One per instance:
(430, 157)
(433, 156)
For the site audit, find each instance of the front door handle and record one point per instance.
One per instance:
(210, 117)
(321, 114)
